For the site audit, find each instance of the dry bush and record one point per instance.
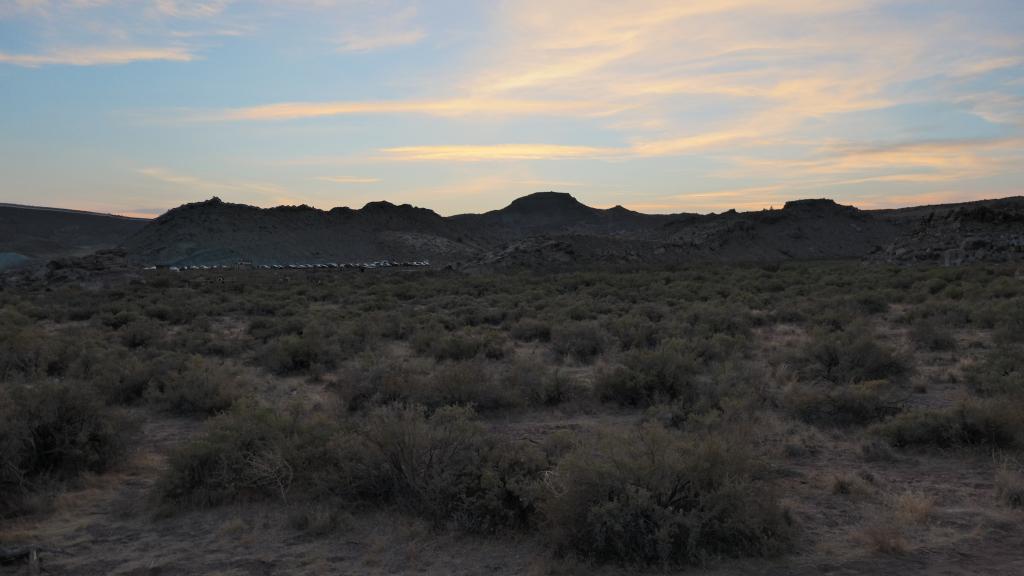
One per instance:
(849, 356)
(655, 496)
(1010, 484)
(928, 335)
(445, 467)
(122, 379)
(292, 354)
(877, 451)
(468, 384)
(846, 484)
(464, 383)
(581, 341)
(194, 386)
(886, 530)
(251, 453)
(841, 405)
(999, 373)
(318, 520)
(988, 422)
(912, 507)
(53, 432)
(140, 333)
(531, 329)
(380, 382)
(885, 537)
(666, 374)
(538, 385)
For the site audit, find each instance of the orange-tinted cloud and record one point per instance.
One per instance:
(348, 179)
(451, 107)
(92, 56)
(496, 152)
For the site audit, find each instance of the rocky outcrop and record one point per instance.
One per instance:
(555, 229)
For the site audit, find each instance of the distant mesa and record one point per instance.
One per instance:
(33, 233)
(544, 229)
(546, 201)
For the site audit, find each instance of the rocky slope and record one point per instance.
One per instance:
(554, 229)
(31, 233)
(216, 232)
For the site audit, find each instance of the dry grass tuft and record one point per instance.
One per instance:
(1010, 485)
(912, 507)
(850, 485)
(884, 538)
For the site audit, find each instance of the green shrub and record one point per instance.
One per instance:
(849, 356)
(1010, 484)
(536, 385)
(658, 497)
(249, 454)
(291, 354)
(1000, 372)
(117, 320)
(459, 346)
(140, 333)
(635, 331)
(1010, 326)
(53, 432)
(842, 405)
(666, 374)
(582, 341)
(978, 423)
(447, 468)
(468, 384)
(121, 379)
(531, 329)
(444, 466)
(381, 384)
(195, 386)
(928, 335)
(23, 353)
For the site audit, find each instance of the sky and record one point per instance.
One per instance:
(134, 107)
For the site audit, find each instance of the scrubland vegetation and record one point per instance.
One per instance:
(663, 417)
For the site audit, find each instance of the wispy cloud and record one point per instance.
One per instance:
(191, 8)
(496, 152)
(450, 107)
(93, 56)
(733, 193)
(348, 179)
(388, 28)
(367, 43)
(270, 193)
(696, 103)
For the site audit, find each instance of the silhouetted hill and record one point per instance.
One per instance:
(552, 228)
(557, 213)
(542, 229)
(29, 232)
(216, 232)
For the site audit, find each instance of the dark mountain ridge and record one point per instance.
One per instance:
(551, 228)
(30, 233)
(542, 229)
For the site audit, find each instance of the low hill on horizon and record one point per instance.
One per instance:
(32, 233)
(554, 228)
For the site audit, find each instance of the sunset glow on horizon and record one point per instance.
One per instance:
(659, 106)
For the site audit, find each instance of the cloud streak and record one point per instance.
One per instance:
(93, 56)
(448, 107)
(496, 152)
(347, 179)
(681, 103)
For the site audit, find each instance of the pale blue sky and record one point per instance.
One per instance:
(662, 105)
